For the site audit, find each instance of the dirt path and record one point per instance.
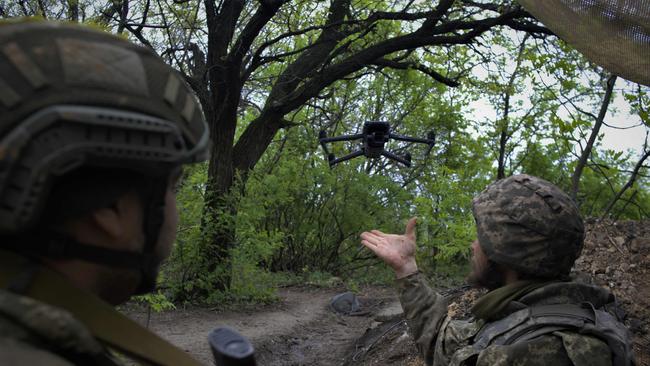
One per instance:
(298, 330)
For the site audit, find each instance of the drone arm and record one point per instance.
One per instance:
(341, 138)
(397, 158)
(412, 139)
(346, 157)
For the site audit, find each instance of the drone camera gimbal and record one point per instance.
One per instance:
(374, 136)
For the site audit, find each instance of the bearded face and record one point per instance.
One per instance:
(485, 273)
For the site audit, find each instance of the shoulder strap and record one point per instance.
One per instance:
(111, 328)
(536, 321)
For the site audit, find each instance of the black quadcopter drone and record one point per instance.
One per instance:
(375, 134)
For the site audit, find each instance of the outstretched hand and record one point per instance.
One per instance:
(398, 251)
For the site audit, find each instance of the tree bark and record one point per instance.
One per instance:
(224, 68)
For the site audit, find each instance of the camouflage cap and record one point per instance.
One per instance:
(529, 225)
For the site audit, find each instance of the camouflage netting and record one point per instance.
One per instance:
(612, 33)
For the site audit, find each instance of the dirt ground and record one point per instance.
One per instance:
(300, 329)
(617, 256)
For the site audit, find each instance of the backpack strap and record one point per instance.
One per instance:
(536, 321)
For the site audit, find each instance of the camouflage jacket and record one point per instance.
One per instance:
(50, 322)
(444, 341)
(35, 333)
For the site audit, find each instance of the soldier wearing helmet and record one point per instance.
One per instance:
(529, 235)
(93, 133)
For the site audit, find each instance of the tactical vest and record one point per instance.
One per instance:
(535, 321)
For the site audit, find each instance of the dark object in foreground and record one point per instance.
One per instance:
(345, 303)
(375, 134)
(231, 348)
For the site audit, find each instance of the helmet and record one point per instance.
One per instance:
(74, 97)
(529, 225)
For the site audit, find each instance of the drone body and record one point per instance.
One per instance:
(374, 135)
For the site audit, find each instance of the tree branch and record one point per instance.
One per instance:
(629, 183)
(366, 56)
(405, 65)
(221, 27)
(575, 179)
(262, 16)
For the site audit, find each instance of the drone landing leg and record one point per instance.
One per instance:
(397, 158)
(346, 157)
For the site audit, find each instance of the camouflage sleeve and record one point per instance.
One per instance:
(560, 349)
(424, 311)
(19, 353)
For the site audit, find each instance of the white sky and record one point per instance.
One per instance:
(613, 139)
(619, 115)
(622, 140)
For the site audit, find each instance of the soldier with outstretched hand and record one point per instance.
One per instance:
(529, 235)
(94, 131)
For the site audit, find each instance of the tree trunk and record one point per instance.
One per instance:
(582, 162)
(503, 140)
(505, 134)
(73, 10)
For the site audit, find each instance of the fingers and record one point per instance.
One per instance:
(371, 238)
(373, 247)
(378, 249)
(368, 245)
(410, 227)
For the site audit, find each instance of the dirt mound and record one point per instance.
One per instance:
(616, 256)
(324, 339)
(385, 343)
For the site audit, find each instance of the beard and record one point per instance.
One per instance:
(485, 274)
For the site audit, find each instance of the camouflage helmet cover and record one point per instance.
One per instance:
(529, 225)
(72, 96)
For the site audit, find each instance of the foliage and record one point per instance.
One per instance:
(156, 300)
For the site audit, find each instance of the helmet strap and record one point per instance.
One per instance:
(154, 216)
(56, 245)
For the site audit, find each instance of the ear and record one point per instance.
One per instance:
(117, 220)
(109, 221)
